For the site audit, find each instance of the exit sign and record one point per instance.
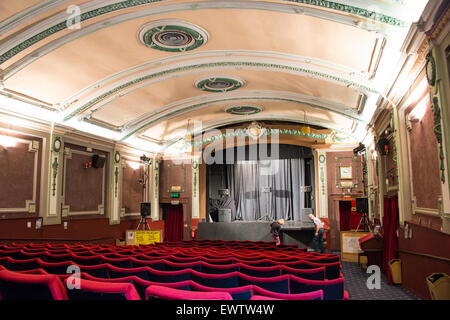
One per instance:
(174, 195)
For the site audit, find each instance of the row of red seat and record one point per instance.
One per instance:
(161, 247)
(28, 286)
(214, 264)
(179, 256)
(166, 248)
(332, 270)
(313, 272)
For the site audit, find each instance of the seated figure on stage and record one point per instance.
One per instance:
(275, 230)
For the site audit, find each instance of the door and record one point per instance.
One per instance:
(173, 224)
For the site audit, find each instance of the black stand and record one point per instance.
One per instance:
(143, 222)
(365, 222)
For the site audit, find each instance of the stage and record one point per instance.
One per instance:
(292, 232)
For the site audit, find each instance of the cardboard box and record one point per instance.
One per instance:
(350, 248)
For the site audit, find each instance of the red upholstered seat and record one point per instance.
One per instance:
(237, 293)
(332, 289)
(276, 284)
(366, 238)
(258, 297)
(165, 293)
(22, 286)
(314, 295)
(97, 290)
(311, 274)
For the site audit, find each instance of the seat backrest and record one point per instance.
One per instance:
(116, 272)
(315, 295)
(272, 271)
(59, 268)
(159, 264)
(22, 265)
(99, 270)
(165, 293)
(175, 266)
(237, 293)
(117, 262)
(332, 289)
(86, 260)
(169, 276)
(226, 280)
(22, 286)
(97, 290)
(278, 284)
(311, 274)
(219, 268)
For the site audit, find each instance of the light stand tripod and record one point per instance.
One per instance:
(143, 222)
(365, 222)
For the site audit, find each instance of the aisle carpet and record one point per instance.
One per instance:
(355, 284)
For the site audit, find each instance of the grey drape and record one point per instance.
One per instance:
(266, 189)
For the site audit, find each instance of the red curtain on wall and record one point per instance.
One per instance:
(390, 220)
(173, 226)
(345, 211)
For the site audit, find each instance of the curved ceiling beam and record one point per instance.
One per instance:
(136, 82)
(215, 98)
(352, 74)
(28, 14)
(374, 21)
(146, 121)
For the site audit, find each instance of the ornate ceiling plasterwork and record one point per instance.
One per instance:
(185, 45)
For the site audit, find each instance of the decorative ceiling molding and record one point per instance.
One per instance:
(243, 110)
(172, 35)
(40, 31)
(338, 134)
(219, 83)
(28, 14)
(145, 121)
(220, 55)
(131, 84)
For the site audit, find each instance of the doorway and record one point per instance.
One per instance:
(349, 219)
(173, 222)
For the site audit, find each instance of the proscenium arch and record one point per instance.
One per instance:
(280, 118)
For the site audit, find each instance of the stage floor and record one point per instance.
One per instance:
(292, 232)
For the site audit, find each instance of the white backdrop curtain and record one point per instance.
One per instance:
(262, 189)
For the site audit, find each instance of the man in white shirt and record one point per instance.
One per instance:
(318, 235)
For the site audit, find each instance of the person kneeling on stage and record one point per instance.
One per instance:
(275, 230)
(318, 235)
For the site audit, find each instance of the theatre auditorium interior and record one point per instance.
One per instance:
(224, 150)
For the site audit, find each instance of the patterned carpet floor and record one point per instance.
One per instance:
(356, 285)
